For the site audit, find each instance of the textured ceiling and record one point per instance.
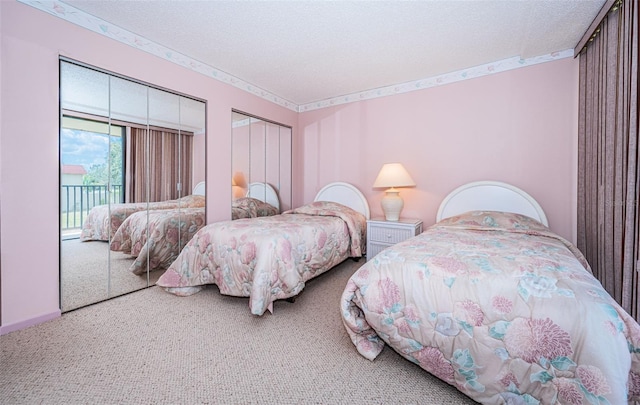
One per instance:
(306, 51)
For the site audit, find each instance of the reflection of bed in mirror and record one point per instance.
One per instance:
(156, 238)
(271, 258)
(493, 302)
(103, 221)
(261, 201)
(92, 273)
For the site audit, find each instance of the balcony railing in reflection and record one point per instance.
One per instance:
(77, 201)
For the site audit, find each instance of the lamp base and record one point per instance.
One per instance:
(392, 204)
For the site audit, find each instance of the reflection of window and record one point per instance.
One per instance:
(152, 135)
(98, 148)
(91, 171)
(101, 149)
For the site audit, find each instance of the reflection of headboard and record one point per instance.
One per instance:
(199, 189)
(490, 196)
(345, 194)
(265, 193)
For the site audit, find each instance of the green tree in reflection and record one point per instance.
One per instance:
(105, 173)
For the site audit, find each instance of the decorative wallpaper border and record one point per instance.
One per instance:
(476, 71)
(95, 24)
(75, 16)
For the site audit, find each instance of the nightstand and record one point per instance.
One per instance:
(382, 234)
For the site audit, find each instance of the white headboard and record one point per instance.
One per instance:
(345, 194)
(265, 193)
(490, 196)
(199, 189)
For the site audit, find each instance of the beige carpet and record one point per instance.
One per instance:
(151, 347)
(86, 277)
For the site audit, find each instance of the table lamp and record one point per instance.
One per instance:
(238, 185)
(393, 175)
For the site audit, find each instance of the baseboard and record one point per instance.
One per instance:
(12, 327)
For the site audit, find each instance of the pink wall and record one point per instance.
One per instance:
(32, 41)
(518, 126)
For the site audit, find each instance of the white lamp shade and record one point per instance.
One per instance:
(393, 175)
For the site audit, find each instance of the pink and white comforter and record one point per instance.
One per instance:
(268, 258)
(501, 308)
(168, 231)
(103, 221)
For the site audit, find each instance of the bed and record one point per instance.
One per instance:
(103, 221)
(271, 258)
(156, 237)
(493, 302)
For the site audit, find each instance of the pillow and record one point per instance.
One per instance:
(493, 219)
(192, 201)
(330, 208)
(248, 207)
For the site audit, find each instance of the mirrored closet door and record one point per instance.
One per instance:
(261, 164)
(132, 170)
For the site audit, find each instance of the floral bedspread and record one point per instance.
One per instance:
(501, 308)
(267, 258)
(248, 207)
(168, 232)
(103, 221)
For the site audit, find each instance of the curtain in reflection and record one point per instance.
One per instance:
(167, 162)
(608, 165)
(136, 165)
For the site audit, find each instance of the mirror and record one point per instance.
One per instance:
(261, 166)
(131, 156)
